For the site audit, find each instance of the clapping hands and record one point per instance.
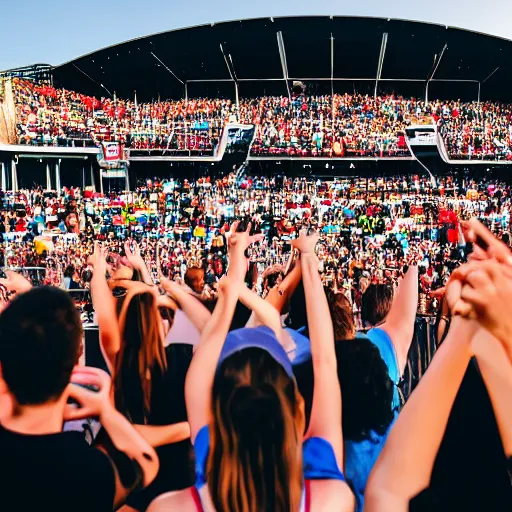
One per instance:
(482, 288)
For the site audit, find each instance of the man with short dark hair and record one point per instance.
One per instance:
(44, 468)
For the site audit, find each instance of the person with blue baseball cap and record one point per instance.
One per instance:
(246, 414)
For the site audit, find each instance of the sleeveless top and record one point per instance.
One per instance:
(319, 463)
(383, 342)
(361, 456)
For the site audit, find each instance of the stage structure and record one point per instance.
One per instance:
(320, 54)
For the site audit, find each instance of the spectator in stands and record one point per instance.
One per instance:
(194, 279)
(309, 126)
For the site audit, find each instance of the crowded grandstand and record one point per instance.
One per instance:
(227, 292)
(325, 126)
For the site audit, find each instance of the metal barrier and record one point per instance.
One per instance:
(423, 348)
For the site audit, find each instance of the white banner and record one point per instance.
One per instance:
(111, 151)
(113, 173)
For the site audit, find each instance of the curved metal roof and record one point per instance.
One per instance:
(326, 52)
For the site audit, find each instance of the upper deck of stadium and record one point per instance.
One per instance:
(263, 55)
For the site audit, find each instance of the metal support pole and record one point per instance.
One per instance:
(6, 243)
(92, 178)
(14, 176)
(437, 61)
(237, 102)
(382, 54)
(479, 87)
(48, 177)
(332, 65)
(3, 184)
(432, 179)
(57, 177)
(284, 65)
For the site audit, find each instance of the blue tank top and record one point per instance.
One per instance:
(382, 341)
(318, 459)
(361, 456)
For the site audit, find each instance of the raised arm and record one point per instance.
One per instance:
(405, 465)
(325, 419)
(200, 375)
(488, 291)
(399, 322)
(193, 308)
(280, 296)
(263, 312)
(105, 307)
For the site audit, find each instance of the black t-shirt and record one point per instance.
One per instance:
(470, 472)
(57, 472)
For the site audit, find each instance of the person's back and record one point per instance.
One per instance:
(57, 472)
(246, 414)
(168, 408)
(153, 396)
(44, 468)
(367, 406)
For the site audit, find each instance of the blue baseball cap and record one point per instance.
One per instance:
(256, 337)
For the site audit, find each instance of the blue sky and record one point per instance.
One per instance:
(56, 31)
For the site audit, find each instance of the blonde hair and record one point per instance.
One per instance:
(255, 458)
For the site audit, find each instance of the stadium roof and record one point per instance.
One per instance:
(325, 52)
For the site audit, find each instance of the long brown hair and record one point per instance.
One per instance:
(342, 316)
(142, 352)
(255, 459)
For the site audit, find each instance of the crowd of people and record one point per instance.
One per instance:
(254, 332)
(305, 126)
(478, 131)
(57, 117)
(328, 126)
(181, 224)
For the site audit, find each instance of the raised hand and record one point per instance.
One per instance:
(306, 243)
(170, 286)
(97, 260)
(240, 241)
(133, 256)
(93, 402)
(456, 304)
(487, 289)
(485, 244)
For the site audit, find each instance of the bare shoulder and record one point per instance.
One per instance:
(173, 501)
(328, 495)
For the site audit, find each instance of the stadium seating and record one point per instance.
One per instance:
(303, 126)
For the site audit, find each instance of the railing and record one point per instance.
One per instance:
(423, 348)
